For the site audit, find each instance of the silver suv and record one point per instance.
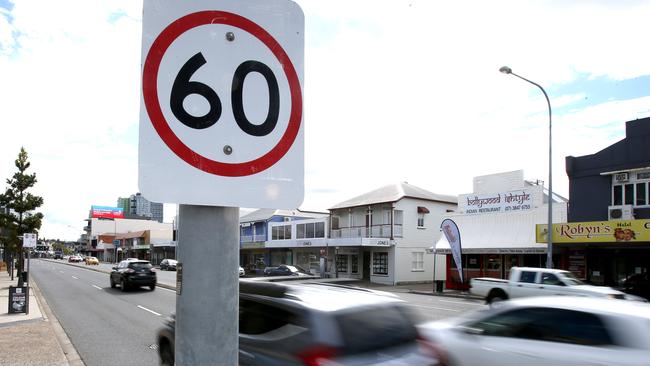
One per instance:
(320, 324)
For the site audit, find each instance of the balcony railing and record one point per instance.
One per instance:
(375, 231)
(252, 238)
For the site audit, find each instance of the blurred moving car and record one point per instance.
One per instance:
(91, 260)
(542, 331)
(242, 273)
(74, 259)
(133, 273)
(286, 270)
(168, 265)
(320, 324)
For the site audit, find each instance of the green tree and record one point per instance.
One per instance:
(19, 217)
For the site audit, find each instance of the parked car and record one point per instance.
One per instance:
(133, 273)
(286, 270)
(542, 331)
(320, 324)
(168, 265)
(58, 255)
(638, 284)
(528, 281)
(92, 260)
(242, 273)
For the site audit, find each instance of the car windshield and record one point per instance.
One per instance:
(140, 265)
(571, 280)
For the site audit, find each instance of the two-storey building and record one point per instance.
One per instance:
(383, 235)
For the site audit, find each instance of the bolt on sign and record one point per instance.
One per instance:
(221, 118)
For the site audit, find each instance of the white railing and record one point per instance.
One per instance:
(252, 238)
(375, 231)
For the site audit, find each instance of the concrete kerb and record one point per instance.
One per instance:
(456, 295)
(68, 348)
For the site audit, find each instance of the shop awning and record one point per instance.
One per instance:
(500, 233)
(423, 210)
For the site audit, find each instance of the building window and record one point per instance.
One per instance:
(341, 263)
(320, 230)
(418, 261)
(420, 220)
(355, 263)
(630, 194)
(310, 230)
(281, 232)
(380, 263)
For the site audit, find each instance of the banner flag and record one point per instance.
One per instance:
(450, 229)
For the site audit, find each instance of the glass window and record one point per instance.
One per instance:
(274, 233)
(355, 263)
(420, 220)
(493, 262)
(548, 324)
(550, 279)
(380, 263)
(527, 277)
(629, 194)
(258, 318)
(341, 263)
(309, 230)
(320, 230)
(300, 231)
(473, 261)
(418, 261)
(641, 194)
(399, 217)
(287, 231)
(618, 196)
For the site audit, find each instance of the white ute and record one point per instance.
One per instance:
(528, 281)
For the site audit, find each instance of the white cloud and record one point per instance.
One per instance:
(394, 91)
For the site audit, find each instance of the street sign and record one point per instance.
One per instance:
(29, 240)
(221, 118)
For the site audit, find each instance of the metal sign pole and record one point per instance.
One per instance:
(207, 301)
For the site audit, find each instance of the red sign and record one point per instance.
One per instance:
(105, 212)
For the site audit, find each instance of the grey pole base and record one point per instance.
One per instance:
(207, 308)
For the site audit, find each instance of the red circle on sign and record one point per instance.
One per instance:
(152, 105)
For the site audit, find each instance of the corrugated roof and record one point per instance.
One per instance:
(393, 193)
(267, 213)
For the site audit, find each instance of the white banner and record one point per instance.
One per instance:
(451, 232)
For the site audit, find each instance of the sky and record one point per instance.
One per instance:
(394, 91)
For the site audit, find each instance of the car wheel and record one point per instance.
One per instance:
(166, 355)
(152, 287)
(123, 285)
(112, 283)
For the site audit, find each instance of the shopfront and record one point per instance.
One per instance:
(253, 257)
(602, 252)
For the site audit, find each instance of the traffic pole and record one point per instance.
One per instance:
(207, 301)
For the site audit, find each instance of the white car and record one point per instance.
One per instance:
(543, 331)
(241, 272)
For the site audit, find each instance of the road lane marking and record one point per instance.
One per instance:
(434, 307)
(151, 311)
(97, 287)
(463, 303)
(76, 278)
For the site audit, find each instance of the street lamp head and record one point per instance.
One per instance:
(505, 70)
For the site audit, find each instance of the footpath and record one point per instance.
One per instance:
(35, 338)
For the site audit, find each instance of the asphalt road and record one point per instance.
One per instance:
(106, 326)
(109, 327)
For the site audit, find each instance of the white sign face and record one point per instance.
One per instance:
(221, 118)
(523, 199)
(29, 240)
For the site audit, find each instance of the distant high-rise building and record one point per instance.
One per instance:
(143, 207)
(138, 206)
(124, 203)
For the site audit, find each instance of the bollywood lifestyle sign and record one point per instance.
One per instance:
(619, 231)
(518, 200)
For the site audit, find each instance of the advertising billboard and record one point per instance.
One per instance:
(107, 212)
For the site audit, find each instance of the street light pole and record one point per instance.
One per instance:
(549, 235)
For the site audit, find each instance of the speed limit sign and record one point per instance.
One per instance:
(221, 119)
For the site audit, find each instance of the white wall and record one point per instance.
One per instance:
(110, 227)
